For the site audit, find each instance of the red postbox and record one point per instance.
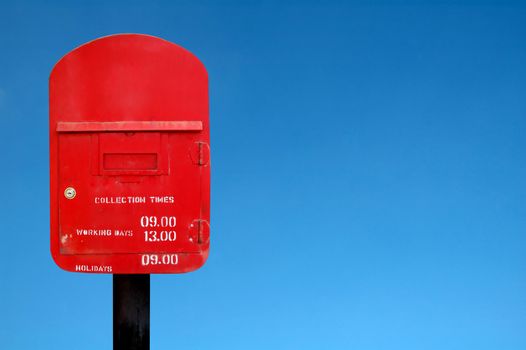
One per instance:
(129, 157)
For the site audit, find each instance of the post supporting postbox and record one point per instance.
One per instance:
(131, 312)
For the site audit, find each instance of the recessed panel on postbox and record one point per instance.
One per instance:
(129, 158)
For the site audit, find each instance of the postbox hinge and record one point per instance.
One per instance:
(200, 153)
(200, 231)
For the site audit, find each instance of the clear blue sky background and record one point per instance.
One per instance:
(369, 172)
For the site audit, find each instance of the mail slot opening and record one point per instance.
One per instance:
(130, 161)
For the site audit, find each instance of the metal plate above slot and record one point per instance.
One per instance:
(174, 125)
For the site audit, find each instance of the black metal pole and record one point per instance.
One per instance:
(131, 312)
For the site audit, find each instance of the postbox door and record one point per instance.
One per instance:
(152, 177)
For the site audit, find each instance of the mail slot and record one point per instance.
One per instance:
(129, 158)
(127, 163)
(130, 153)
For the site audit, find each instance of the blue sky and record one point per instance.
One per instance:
(368, 179)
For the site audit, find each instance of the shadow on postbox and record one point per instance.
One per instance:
(129, 157)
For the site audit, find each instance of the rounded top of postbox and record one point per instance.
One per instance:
(127, 77)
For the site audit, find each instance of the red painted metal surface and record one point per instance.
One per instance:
(129, 157)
